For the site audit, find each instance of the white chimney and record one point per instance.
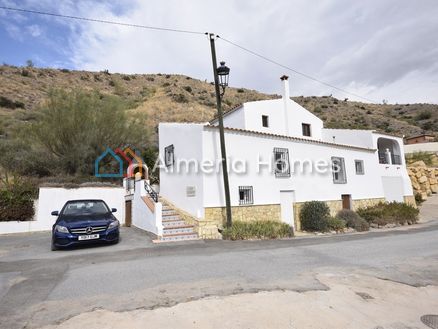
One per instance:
(286, 100)
(285, 92)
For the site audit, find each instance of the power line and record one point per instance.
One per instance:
(293, 70)
(148, 27)
(101, 21)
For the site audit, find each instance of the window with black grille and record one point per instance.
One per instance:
(169, 157)
(281, 162)
(265, 121)
(338, 170)
(245, 195)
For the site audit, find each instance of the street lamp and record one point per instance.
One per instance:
(221, 73)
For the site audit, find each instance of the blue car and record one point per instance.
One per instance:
(84, 222)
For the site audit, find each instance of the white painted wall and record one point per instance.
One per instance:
(142, 216)
(285, 117)
(266, 187)
(51, 199)
(361, 138)
(421, 147)
(188, 144)
(393, 188)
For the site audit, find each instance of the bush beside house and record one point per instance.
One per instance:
(314, 216)
(353, 220)
(257, 230)
(16, 200)
(390, 213)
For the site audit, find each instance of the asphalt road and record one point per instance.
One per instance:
(40, 287)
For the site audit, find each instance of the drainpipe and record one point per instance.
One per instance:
(286, 100)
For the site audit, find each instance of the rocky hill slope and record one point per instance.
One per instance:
(180, 98)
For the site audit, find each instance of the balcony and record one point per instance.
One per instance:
(389, 151)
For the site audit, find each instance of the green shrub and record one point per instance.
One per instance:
(418, 199)
(188, 89)
(314, 216)
(390, 213)
(10, 104)
(336, 224)
(353, 220)
(257, 230)
(16, 199)
(180, 98)
(25, 73)
(424, 115)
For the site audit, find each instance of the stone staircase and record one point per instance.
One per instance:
(175, 228)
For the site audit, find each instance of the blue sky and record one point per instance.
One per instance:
(381, 49)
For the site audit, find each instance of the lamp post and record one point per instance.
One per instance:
(221, 75)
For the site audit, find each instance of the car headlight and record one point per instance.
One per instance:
(60, 228)
(113, 224)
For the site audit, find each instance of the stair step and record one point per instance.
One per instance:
(177, 229)
(171, 217)
(174, 223)
(179, 237)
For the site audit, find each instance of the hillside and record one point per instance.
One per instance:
(181, 98)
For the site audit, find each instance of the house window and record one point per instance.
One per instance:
(265, 121)
(338, 169)
(281, 162)
(306, 129)
(169, 157)
(359, 167)
(245, 195)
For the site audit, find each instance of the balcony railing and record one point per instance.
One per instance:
(396, 159)
(382, 158)
(151, 192)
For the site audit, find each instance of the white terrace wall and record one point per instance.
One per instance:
(143, 217)
(421, 147)
(51, 198)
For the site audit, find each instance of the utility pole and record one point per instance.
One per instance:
(221, 129)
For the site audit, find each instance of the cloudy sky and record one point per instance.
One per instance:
(379, 49)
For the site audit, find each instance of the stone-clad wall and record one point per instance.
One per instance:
(215, 217)
(424, 179)
(245, 213)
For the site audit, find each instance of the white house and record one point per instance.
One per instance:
(279, 156)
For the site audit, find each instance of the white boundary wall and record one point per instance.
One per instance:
(51, 198)
(421, 147)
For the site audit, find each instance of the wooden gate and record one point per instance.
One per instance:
(128, 213)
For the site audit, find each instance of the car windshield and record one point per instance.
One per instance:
(77, 208)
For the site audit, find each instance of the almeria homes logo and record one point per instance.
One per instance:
(111, 163)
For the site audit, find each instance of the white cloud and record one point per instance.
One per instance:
(376, 48)
(34, 30)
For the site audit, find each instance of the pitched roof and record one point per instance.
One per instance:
(235, 108)
(297, 139)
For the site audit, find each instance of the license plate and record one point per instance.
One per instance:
(88, 237)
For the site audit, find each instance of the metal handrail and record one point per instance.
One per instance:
(151, 192)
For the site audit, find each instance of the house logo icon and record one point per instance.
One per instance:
(108, 153)
(118, 158)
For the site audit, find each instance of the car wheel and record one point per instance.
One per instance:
(53, 247)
